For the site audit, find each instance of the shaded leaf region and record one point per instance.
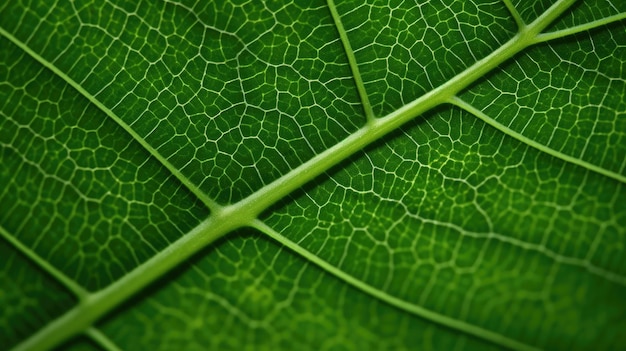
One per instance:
(322, 175)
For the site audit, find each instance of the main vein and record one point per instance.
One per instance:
(245, 212)
(377, 128)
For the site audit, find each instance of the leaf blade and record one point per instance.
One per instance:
(258, 175)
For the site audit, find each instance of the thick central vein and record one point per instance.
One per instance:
(245, 212)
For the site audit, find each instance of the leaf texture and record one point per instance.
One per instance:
(340, 175)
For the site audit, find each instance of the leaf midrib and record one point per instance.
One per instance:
(244, 213)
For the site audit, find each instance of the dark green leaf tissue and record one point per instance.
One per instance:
(312, 175)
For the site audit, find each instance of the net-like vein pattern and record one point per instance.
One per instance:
(234, 94)
(567, 95)
(447, 214)
(581, 12)
(76, 189)
(46, 299)
(406, 48)
(457, 217)
(268, 298)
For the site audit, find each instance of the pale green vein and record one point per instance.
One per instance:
(379, 127)
(96, 305)
(66, 281)
(225, 219)
(441, 319)
(540, 249)
(549, 16)
(365, 101)
(102, 340)
(580, 28)
(516, 16)
(528, 141)
(212, 205)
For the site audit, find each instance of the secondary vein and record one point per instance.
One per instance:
(69, 283)
(225, 219)
(210, 203)
(354, 66)
(438, 318)
(528, 141)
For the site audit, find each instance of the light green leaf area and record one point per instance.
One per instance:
(322, 175)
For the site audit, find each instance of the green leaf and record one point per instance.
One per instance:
(232, 175)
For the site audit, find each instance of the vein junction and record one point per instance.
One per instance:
(224, 219)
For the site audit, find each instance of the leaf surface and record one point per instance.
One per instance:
(320, 175)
